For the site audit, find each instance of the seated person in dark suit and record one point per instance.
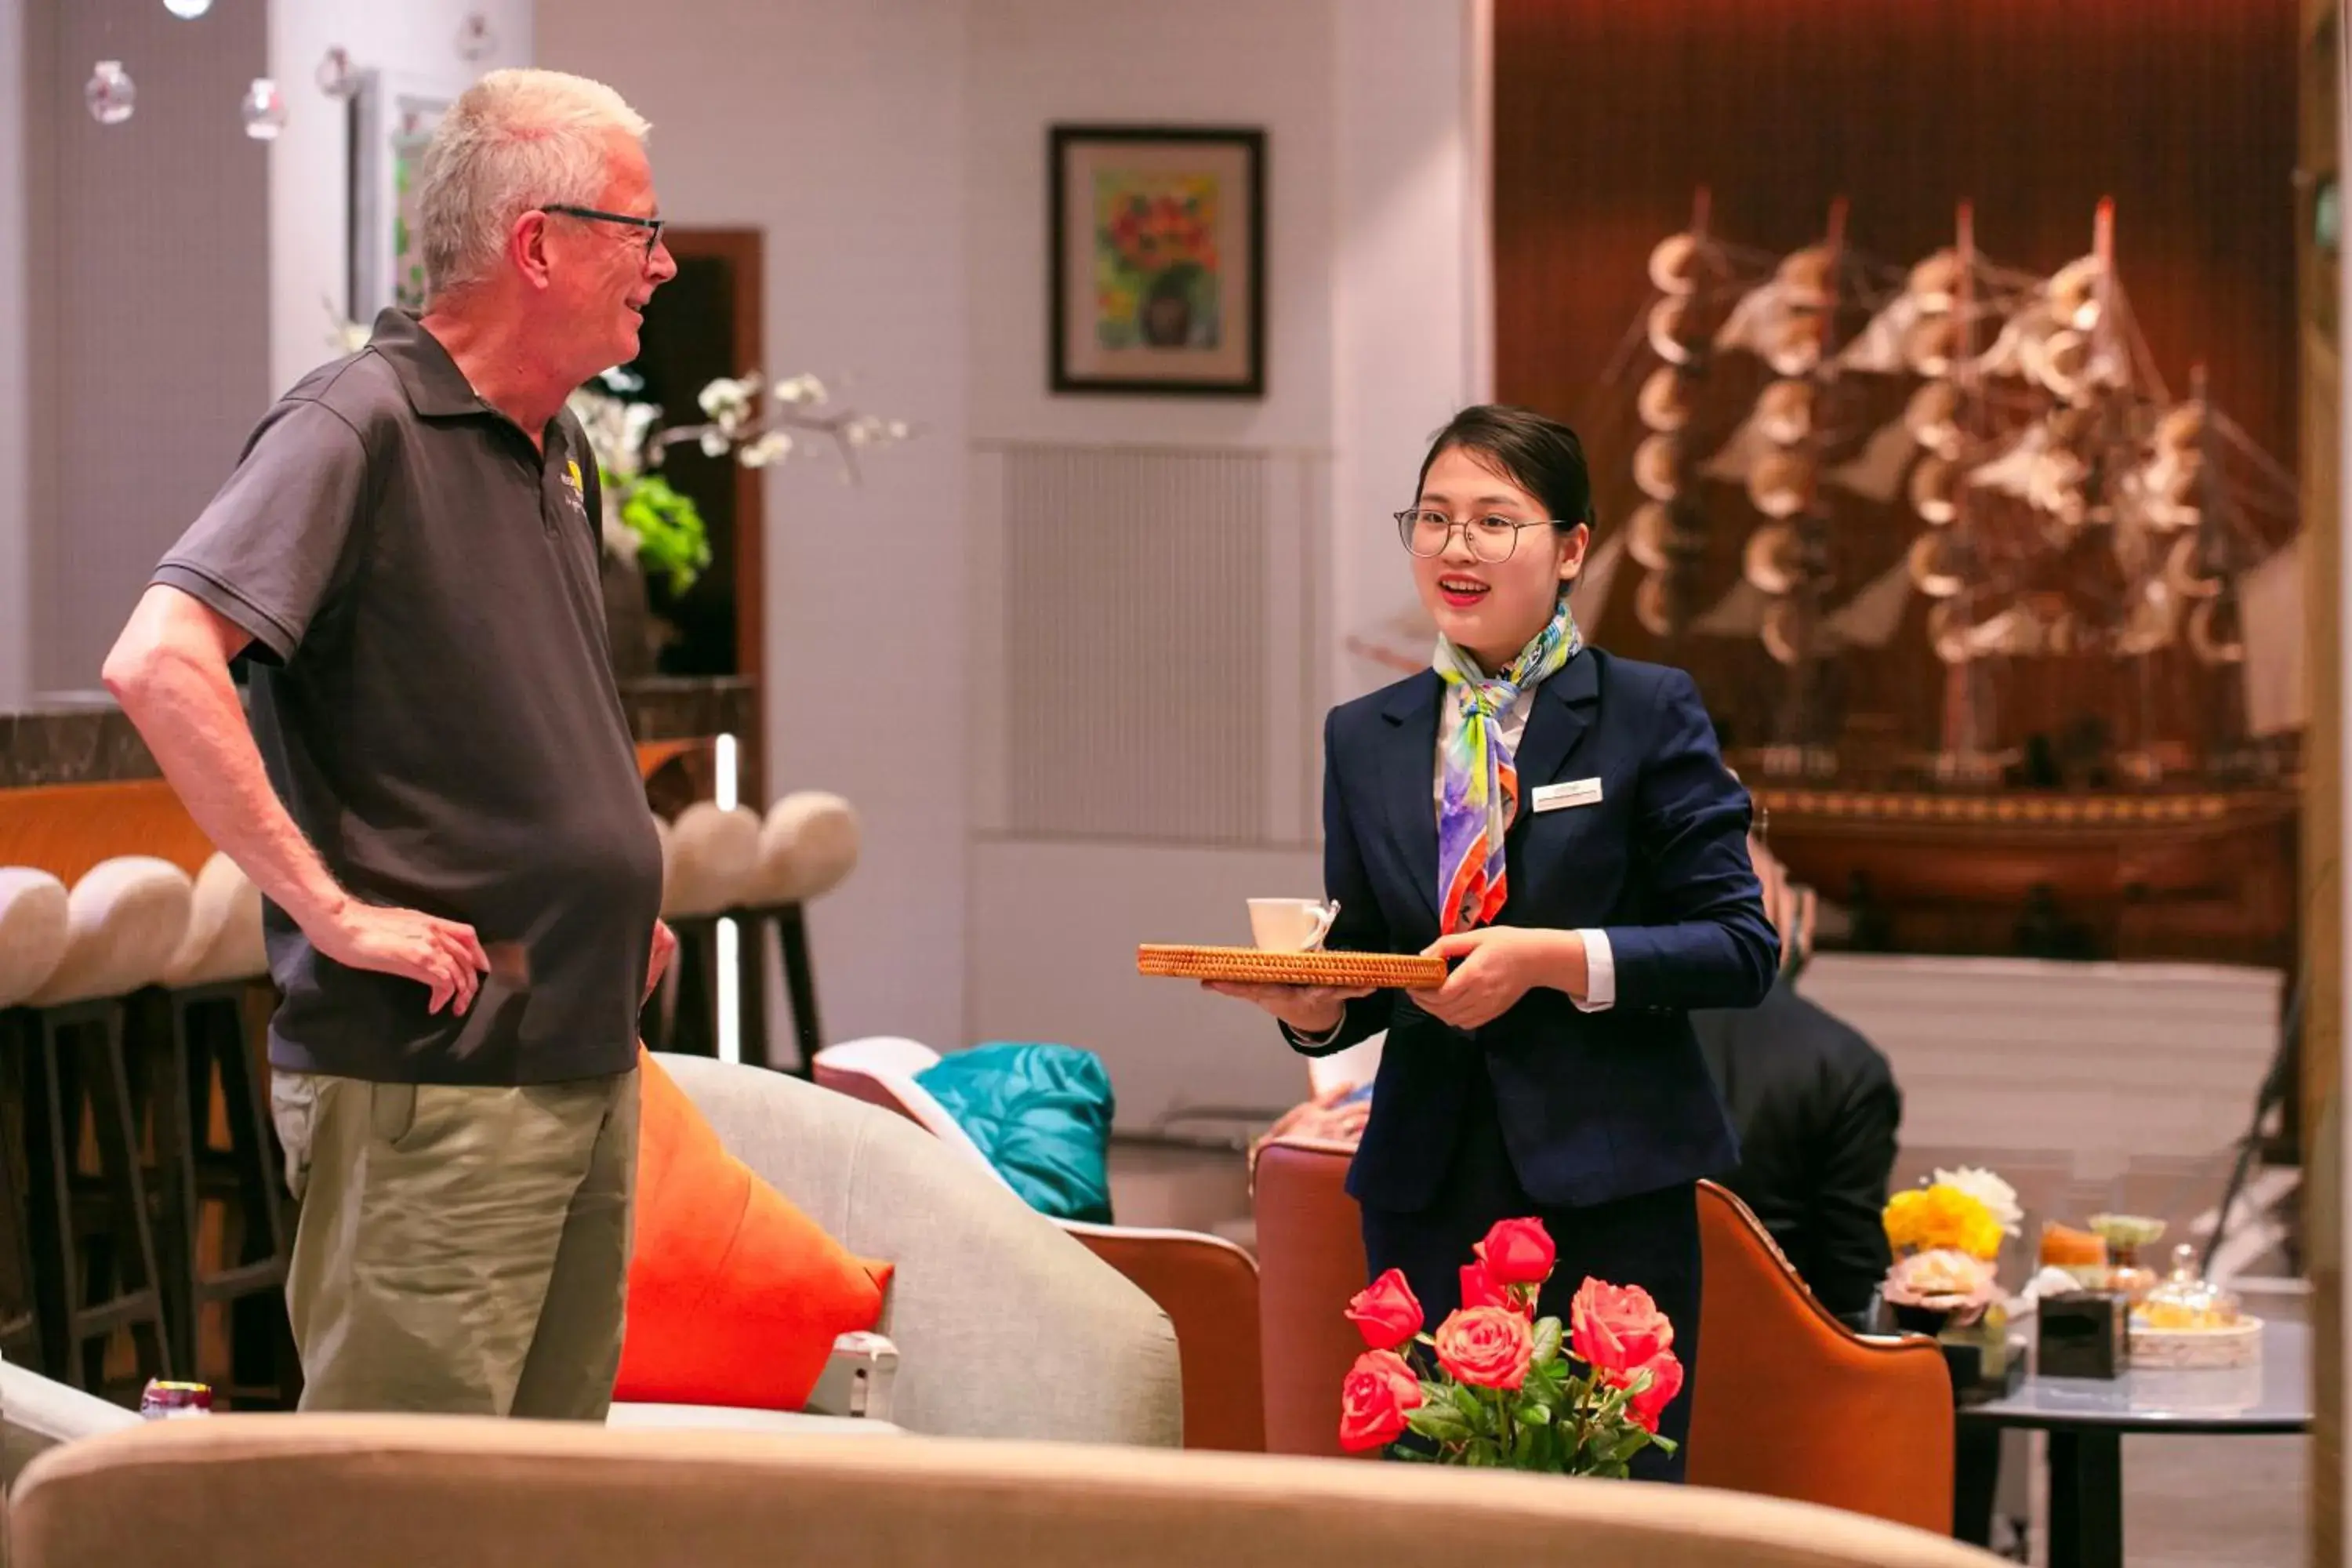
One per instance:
(1816, 1110)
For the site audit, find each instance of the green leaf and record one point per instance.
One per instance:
(1626, 1446)
(1439, 1422)
(1548, 1342)
(671, 538)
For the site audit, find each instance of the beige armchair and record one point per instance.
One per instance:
(1206, 1284)
(1004, 1326)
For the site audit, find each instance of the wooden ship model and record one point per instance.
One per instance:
(2005, 634)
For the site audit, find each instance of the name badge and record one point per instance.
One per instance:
(1576, 792)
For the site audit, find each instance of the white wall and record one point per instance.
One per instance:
(412, 40)
(1034, 63)
(1374, 242)
(15, 393)
(837, 129)
(1412, 322)
(895, 154)
(148, 305)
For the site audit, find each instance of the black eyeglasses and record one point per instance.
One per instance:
(652, 226)
(1491, 538)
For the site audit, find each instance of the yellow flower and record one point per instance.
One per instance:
(1925, 1218)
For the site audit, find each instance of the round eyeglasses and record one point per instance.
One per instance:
(1490, 539)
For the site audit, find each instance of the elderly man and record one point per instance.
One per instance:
(438, 783)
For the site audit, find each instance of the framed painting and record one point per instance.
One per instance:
(390, 121)
(1158, 238)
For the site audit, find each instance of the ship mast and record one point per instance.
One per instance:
(1814, 752)
(1962, 735)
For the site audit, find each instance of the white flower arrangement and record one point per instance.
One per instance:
(646, 522)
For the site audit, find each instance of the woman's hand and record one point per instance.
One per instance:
(1308, 1009)
(1499, 965)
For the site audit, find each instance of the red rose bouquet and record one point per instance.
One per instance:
(1509, 1391)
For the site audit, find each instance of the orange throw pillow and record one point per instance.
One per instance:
(735, 1296)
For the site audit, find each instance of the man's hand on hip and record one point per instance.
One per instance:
(443, 956)
(665, 948)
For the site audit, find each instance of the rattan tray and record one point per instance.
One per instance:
(1252, 965)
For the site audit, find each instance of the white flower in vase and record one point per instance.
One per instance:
(1998, 1196)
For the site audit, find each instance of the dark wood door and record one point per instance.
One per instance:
(703, 324)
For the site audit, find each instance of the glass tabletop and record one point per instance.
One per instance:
(2273, 1395)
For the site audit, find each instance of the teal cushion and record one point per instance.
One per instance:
(1042, 1114)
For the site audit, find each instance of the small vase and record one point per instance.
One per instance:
(1167, 323)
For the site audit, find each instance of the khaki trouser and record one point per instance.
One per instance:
(460, 1250)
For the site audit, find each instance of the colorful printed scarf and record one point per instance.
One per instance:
(1481, 791)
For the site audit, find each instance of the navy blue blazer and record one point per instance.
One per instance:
(1594, 1106)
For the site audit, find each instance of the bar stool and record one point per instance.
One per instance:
(32, 941)
(712, 856)
(201, 1013)
(94, 1241)
(808, 847)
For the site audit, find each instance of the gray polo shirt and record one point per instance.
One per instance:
(432, 693)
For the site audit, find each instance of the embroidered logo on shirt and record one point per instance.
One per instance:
(574, 483)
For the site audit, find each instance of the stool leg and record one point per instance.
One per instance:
(799, 981)
(248, 1124)
(22, 1328)
(694, 1029)
(118, 1153)
(751, 991)
(55, 1232)
(177, 1094)
(259, 1332)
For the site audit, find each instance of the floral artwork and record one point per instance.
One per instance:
(1156, 280)
(1158, 261)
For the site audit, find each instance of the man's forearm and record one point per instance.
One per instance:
(187, 711)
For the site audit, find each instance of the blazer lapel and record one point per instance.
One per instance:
(1409, 780)
(1562, 711)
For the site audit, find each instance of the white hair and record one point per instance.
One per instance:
(514, 140)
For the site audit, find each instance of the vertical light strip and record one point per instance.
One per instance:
(730, 998)
(730, 993)
(1479, 214)
(724, 758)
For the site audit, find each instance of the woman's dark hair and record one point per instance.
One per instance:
(1542, 457)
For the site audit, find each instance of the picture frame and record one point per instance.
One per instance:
(392, 120)
(1157, 236)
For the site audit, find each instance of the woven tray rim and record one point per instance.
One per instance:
(1187, 961)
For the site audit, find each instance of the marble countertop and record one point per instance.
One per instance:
(69, 738)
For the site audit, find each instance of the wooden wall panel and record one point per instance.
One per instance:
(1609, 115)
(2321, 68)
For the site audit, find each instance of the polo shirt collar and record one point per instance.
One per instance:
(436, 388)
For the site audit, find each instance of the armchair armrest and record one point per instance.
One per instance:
(856, 1378)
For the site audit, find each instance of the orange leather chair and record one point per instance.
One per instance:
(1206, 1285)
(1310, 1261)
(1208, 1288)
(1790, 1403)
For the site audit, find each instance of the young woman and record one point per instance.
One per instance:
(1558, 824)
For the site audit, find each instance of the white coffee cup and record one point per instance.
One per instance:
(1290, 925)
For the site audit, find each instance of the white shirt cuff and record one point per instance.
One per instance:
(1600, 973)
(1300, 1038)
